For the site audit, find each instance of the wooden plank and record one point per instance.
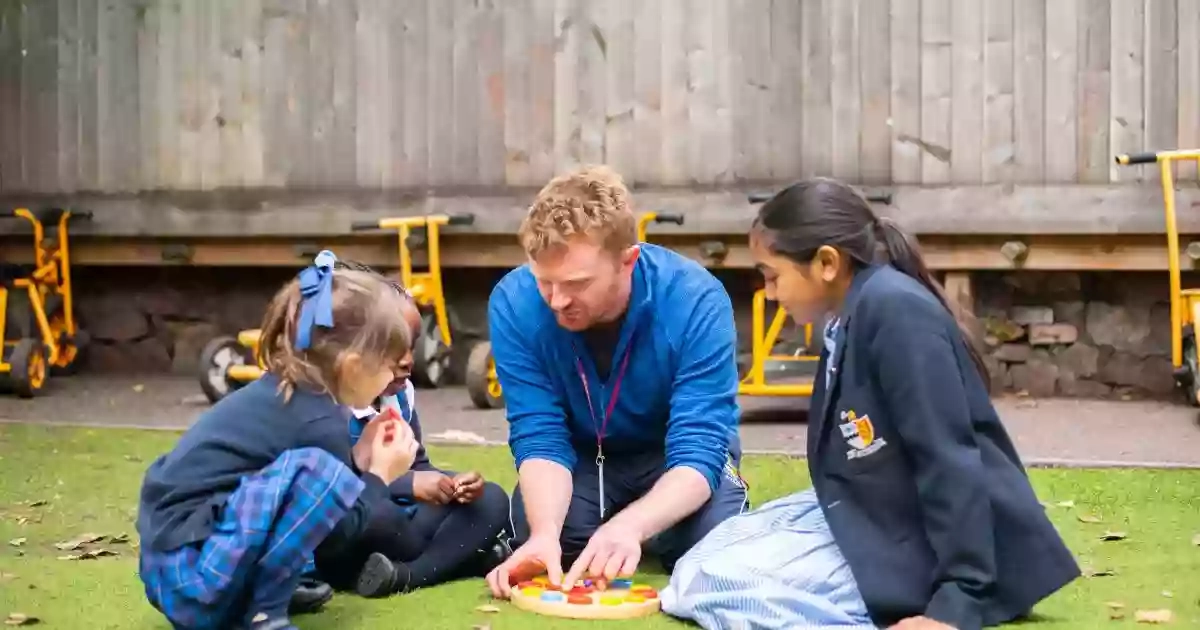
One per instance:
(817, 123)
(415, 83)
(190, 90)
(875, 46)
(541, 83)
(1029, 96)
(489, 77)
(39, 95)
(345, 80)
(703, 138)
(317, 73)
(11, 170)
(999, 142)
(846, 97)
(440, 94)
(1062, 71)
(519, 56)
(278, 109)
(591, 81)
(966, 127)
(150, 17)
(950, 254)
(936, 86)
(1161, 99)
(1127, 127)
(231, 33)
(372, 138)
(621, 142)
(674, 93)
(210, 100)
(167, 84)
(647, 78)
(905, 120)
(465, 105)
(89, 109)
(785, 133)
(566, 86)
(68, 97)
(251, 80)
(995, 209)
(721, 149)
(1095, 63)
(1188, 59)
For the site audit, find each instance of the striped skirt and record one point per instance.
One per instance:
(253, 560)
(776, 567)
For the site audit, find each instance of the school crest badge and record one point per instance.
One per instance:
(859, 433)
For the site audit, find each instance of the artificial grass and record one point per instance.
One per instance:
(89, 480)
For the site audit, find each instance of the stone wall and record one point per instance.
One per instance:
(1088, 335)
(1047, 334)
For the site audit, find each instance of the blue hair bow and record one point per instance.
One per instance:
(316, 291)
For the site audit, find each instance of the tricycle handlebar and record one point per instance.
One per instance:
(1146, 157)
(362, 226)
(677, 219)
(461, 219)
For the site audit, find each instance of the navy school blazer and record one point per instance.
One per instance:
(919, 482)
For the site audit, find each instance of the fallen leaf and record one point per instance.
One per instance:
(487, 608)
(1116, 614)
(132, 458)
(5, 577)
(20, 619)
(89, 555)
(1115, 605)
(21, 520)
(1066, 504)
(17, 542)
(1196, 540)
(38, 503)
(1152, 616)
(119, 539)
(1110, 536)
(1090, 572)
(1168, 594)
(1088, 518)
(481, 627)
(79, 541)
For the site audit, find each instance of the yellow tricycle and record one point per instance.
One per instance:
(228, 363)
(37, 310)
(1185, 303)
(784, 374)
(482, 384)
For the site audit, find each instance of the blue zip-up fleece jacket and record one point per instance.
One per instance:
(679, 390)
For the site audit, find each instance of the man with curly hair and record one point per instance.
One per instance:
(618, 364)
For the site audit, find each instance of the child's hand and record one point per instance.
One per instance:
(430, 486)
(393, 450)
(366, 442)
(468, 486)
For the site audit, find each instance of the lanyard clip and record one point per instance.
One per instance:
(600, 459)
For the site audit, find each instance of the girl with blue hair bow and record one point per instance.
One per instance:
(266, 478)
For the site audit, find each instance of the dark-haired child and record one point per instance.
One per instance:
(438, 526)
(266, 478)
(920, 514)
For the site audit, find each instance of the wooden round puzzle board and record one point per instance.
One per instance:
(619, 599)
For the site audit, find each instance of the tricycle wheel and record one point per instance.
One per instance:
(1191, 367)
(216, 358)
(29, 368)
(482, 384)
(431, 355)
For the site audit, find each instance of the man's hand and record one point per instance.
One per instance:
(430, 486)
(468, 486)
(538, 554)
(921, 623)
(614, 550)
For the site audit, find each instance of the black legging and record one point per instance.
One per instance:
(438, 543)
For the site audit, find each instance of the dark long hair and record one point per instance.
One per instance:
(813, 213)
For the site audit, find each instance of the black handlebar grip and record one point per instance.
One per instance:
(7, 213)
(883, 198)
(1149, 157)
(759, 197)
(677, 219)
(461, 219)
(85, 215)
(362, 226)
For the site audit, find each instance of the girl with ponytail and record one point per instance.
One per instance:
(920, 515)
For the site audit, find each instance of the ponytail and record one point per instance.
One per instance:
(904, 254)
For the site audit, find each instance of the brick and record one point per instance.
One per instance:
(1052, 334)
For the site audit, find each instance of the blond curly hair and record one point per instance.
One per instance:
(591, 201)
